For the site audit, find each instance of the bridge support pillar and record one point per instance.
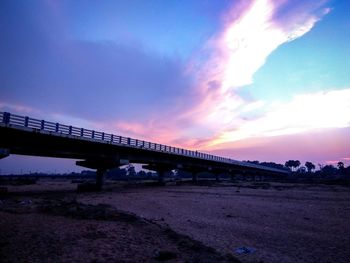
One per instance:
(100, 173)
(232, 175)
(161, 170)
(161, 176)
(102, 166)
(194, 177)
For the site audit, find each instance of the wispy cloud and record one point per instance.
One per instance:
(14, 107)
(306, 112)
(316, 146)
(236, 54)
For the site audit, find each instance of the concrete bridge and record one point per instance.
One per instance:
(102, 151)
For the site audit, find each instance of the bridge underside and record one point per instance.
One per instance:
(104, 156)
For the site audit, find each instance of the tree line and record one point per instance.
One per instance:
(308, 168)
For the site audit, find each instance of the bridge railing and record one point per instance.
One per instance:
(57, 128)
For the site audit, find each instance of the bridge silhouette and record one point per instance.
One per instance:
(103, 151)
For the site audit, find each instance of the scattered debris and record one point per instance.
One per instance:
(245, 250)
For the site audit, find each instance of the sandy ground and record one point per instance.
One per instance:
(186, 223)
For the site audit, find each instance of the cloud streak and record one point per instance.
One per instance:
(305, 113)
(235, 56)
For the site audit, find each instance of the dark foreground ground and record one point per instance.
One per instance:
(50, 222)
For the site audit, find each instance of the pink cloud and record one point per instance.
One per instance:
(251, 32)
(317, 147)
(215, 114)
(332, 162)
(17, 108)
(305, 112)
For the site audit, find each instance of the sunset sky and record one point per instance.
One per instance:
(264, 80)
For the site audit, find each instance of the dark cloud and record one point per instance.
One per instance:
(43, 67)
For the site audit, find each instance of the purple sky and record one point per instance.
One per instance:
(264, 80)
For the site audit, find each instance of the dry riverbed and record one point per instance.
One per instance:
(50, 222)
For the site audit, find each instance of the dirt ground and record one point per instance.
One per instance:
(50, 222)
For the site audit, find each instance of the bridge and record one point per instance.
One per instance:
(103, 151)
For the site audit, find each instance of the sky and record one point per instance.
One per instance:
(263, 80)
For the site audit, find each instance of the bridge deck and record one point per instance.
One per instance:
(29, 136)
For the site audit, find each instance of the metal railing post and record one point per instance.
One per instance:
(93, 134)
(42, 125)
(6, 118)
(26, 121)
(70, 130)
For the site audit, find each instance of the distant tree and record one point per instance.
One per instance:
(131, 170)
(302, 170)
(273, 165)
(289, 164)
(117, 172)
(329, 170)
(310, 166)
(253, 162)
(347, 171)
(293, 164)
(341, 167)
(151, 174)
(141, 173)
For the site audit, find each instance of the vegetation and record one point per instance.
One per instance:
(309, 169)
(293, 164)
